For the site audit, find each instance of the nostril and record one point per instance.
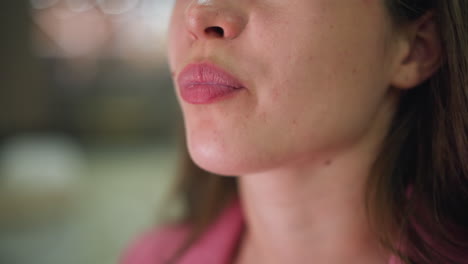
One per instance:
(217, 32)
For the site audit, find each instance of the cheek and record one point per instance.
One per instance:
(322, 88)
(178, 41)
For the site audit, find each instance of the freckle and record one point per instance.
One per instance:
(275, 94)
(328, 163)
(262, 116)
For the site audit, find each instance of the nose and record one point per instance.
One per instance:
(214, 19)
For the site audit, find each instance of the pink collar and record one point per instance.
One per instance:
(218, 245)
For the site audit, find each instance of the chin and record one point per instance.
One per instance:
(228, 162)
(214, 159)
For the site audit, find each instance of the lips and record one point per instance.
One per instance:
(205, 83)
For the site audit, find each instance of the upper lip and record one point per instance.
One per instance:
(209, 74)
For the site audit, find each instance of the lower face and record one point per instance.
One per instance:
(316, 74)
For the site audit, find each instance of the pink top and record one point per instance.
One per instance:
(216, 246)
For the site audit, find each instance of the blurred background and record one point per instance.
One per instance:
(88, 127)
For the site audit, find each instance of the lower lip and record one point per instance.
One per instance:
(205, 93)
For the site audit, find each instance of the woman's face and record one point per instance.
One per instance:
(316, 77)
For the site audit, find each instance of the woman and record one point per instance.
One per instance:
(344, 121)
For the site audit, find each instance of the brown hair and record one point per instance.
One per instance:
(417, 199)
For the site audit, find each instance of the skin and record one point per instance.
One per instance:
(322, 79)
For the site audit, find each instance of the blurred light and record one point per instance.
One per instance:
(156, 14)
(80, 5)
(115, 7)
(132, 30)
(75, 34)
(41, 4)
(37, 164)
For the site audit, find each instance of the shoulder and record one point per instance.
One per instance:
(155, 246)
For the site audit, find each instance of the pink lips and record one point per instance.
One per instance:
(204, 83)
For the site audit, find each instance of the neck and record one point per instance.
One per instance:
(313, 209)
